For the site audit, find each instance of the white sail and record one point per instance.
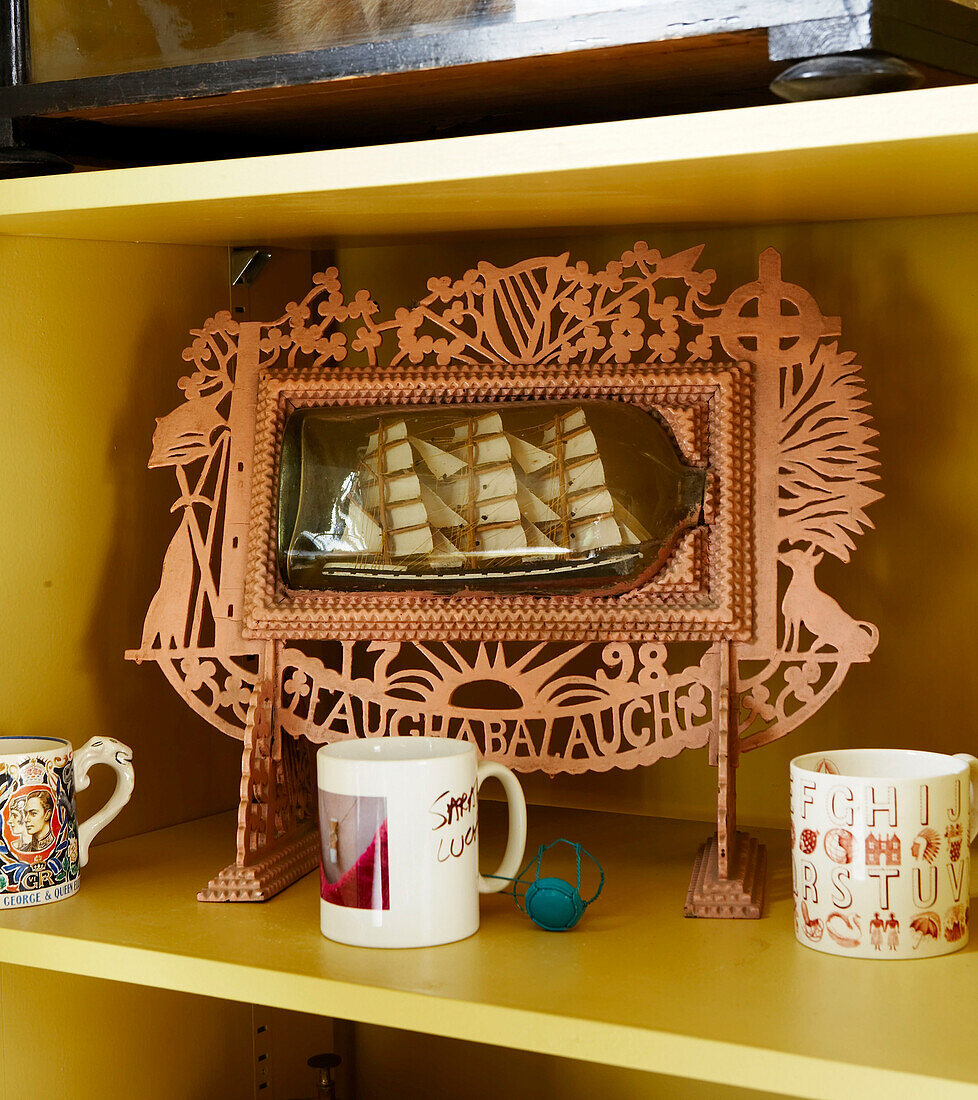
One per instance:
(549, 488)
(396, 456)
(363, 534)
(579, 444)
(410, 513)
(439, 462)
(487, 424)
(583, 474)
(391, 430)
(456, 493)
(439, 514)
(628, 536)
(478, 485)
(445, 553)
(591, 502)
(501, 510)
(478, 451)
(595, 535)
(530, 458)
(403, 486)
(532, 507)
(501, 539)
(481, 441)
(630, 524)
(591, 519)
(498, 481)
(412, 542)
(537, 541)
(569, 422)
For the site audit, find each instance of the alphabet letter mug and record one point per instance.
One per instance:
(880, 851)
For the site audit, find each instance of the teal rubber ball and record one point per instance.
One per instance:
(553, 904)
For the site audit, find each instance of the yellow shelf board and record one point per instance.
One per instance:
(635, 985)
(903, 153)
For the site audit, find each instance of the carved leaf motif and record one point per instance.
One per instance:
(541, 311)
(827, 457)
(187, 433)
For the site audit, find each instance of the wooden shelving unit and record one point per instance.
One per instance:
(636, 985)
(232, 83)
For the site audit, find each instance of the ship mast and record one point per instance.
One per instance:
(576, 489)
(391, 491)
(486, 489)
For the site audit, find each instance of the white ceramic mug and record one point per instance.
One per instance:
(399, 827)
(880, 851)
(43, 846)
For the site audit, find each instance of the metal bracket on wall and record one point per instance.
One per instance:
(246, 264)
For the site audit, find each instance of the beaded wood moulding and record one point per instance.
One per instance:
(377, 525)
(704, 596)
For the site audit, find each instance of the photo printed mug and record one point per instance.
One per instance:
(399, 831)
(42, 844)
(880, 851)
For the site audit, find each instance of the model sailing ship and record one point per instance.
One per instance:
(483, 501)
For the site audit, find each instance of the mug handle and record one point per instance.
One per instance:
(973, 764)
(516, 841)
(102, 750)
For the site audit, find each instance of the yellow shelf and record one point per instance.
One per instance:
(635, 985)
(876, 156)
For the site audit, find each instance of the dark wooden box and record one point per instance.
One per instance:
(491, 72)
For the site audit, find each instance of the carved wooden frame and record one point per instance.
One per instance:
(583, 705)
(706, 596)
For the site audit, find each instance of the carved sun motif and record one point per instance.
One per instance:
(493, 679)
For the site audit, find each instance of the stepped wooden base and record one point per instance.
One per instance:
(739, 895)
(272, 873)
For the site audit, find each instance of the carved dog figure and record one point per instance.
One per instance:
(805, 604)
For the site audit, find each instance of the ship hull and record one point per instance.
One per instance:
(602, 571)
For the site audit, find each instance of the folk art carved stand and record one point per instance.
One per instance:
(734, 646)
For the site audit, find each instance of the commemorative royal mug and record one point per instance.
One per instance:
(880, 851)
(399, 829)
(43, 846)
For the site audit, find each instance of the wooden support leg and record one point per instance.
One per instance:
(729, 872)
(278, 841)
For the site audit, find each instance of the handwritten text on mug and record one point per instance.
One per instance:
(458, 815)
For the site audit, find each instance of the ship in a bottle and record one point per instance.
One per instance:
(521, 498)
